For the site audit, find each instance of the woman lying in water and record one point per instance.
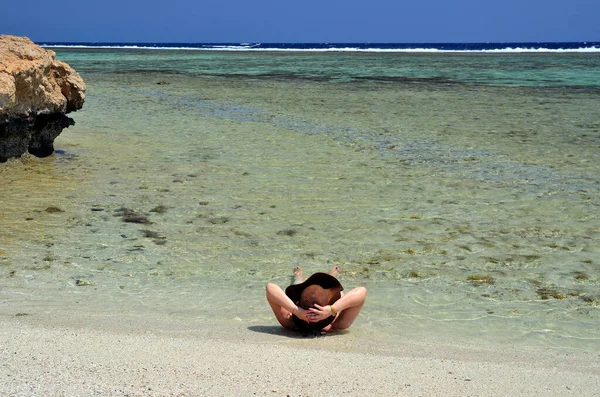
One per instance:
(317, 303)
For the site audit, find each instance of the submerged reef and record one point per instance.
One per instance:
(36, 93)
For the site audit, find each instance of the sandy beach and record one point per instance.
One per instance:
(83, 356)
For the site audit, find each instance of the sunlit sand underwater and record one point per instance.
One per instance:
(462, 190)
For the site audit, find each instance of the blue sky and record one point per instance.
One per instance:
(307, 21)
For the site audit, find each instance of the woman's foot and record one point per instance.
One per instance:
(335, 271)
(298, 277)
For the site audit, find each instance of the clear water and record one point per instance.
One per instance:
(461, 189)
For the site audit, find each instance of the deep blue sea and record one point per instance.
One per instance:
(355, 47)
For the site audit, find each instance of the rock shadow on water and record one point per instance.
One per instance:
(158, 238)
(130, 216)
(159, 209)
(84, 283)
(288, 232)
(481, 279)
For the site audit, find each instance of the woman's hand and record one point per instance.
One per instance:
(301, 313)
(319, 313)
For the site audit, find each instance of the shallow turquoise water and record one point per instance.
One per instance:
(462, 190)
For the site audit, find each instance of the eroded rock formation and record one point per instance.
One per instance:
(36, 93)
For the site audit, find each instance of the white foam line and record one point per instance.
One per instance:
(332, 49)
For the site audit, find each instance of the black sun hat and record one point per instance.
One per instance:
(330, 284)
(320, 288)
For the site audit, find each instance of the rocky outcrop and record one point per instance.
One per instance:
(36, 93)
